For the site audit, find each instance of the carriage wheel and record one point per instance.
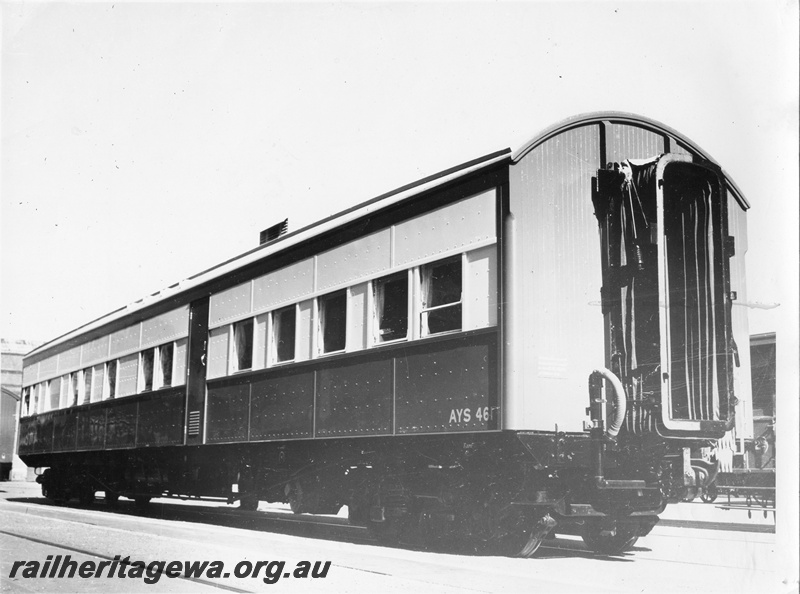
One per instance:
(86, 495)
(610, 542)
(387, 532)
(295, 497)
(517, 534)
(57, 496)
(511, 535)
(142, 502)
(393, 497)
(249, 503)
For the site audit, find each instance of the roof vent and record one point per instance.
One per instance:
(274, 232)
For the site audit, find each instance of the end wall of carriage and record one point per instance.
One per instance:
(554, 329)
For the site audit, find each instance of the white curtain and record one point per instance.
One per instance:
(87, 384)
(426, 288)
(379, 293)
(243, 343)
(322, 314)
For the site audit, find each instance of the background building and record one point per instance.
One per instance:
(762, 363)
(11, 382)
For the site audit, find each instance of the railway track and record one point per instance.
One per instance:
(336, 528)
(180, 530)
(328, 527)
(126, 524)
(333, 528)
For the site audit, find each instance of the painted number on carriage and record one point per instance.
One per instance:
(465, 415)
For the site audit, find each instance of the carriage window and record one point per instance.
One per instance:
(26, 402)
(75, 387)
(441, 296)
(283, 330)
(147, 369)
(333, 321)
(243, 345)
(390, 298)
(54, 393)
(87, 384)
(111, 374)
(165, 357)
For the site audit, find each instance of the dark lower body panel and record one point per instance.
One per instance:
(499, 492)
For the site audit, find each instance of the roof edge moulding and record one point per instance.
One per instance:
(620, 117)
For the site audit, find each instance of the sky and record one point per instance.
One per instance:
(142, 143)
(145, 142)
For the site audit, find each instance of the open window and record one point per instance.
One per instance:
(390, 305)
(284, 325)
(26, 402)
(441, 289)
(147, 361)
(242, 345)
(111, 379)
(87, 384)
(74, 387)
(333, 322)
(53, 393)
(165, 357)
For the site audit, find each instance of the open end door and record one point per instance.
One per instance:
(666, 293)
(694, 252)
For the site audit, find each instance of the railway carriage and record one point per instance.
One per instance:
(528, 343)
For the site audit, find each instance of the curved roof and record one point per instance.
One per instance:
(619, 117)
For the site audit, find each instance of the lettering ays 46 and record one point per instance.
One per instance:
(466, 415)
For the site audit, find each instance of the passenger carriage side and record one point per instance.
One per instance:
(391, 330)
(489, 354)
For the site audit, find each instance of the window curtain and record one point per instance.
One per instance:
(239, 343)
(283, 334)
(112, 379)
(54, 389)
(73, 386)
(380, 299)
(323, 316)
(243, 344)
(147, 369)
(165, 354)
(87, 385)
(99, 378)
(277, 327)
(332, 320)
(426, 289)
